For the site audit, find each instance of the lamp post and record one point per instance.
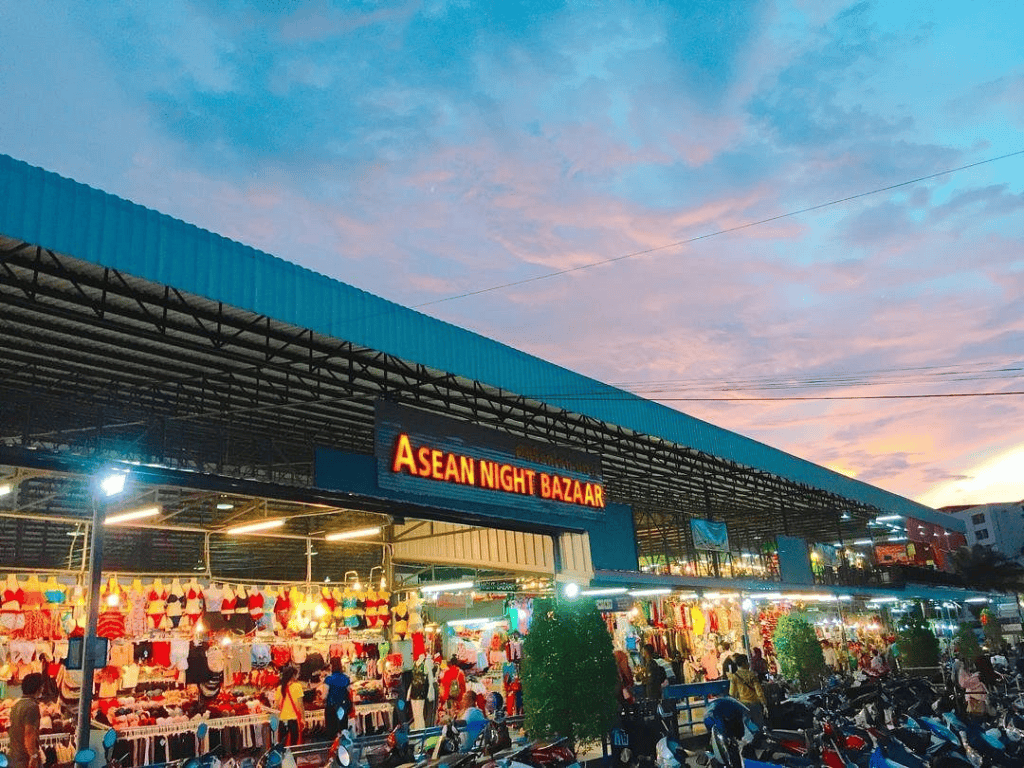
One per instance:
(110, 485)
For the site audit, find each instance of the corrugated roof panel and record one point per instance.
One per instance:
(42, 208)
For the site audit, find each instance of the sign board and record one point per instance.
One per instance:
(710, 535)
(429, 455)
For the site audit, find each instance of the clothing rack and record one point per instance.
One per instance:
(45, 739)
(169, 729)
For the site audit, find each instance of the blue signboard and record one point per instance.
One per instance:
(426, 455)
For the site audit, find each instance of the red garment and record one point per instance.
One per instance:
(110, 625)
(419, 645)
(281, 655)
(162, 654)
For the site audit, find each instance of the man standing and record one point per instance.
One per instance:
(654, 673)
(24, 730)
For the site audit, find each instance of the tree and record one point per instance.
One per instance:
(982, 567)
(965, 643)
(798, 652)
(569, 673)
(991, 629)
(918, 645)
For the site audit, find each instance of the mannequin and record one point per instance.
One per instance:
(418, 690)
(431, 669)
(175, 603)
(193, 601)
(156, 607)
(54, 592)
(135, 621)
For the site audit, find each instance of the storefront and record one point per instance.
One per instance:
(240, 390)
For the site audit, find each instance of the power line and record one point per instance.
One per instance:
(612, 396)
(716, 233)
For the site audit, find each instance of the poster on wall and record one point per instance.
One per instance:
(710, 535)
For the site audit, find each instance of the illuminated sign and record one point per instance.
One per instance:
(446, 461)
(432, 463)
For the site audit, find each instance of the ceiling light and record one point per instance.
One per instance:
(888, 518)
(572, 589)
(452, 586)
(5, 489)
(262, 525)
(646, 592)
(603, 591)
(860, 542)
(132, 514)
(356, 533)
(225, 505)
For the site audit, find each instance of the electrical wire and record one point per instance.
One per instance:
(716, 233)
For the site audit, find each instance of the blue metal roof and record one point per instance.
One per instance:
(45, 209)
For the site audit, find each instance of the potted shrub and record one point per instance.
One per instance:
(568, 673)
(798, 652)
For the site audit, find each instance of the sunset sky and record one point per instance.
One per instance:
(427, 150)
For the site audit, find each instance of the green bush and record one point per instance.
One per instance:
(568, 672)
(991, 629)
(965, 643)
(918, 646)
(799, 652)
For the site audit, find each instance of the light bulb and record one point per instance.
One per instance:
(383, 582)
(357, 586)
(113, 600)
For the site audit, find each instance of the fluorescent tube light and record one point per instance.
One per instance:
(646, 592)
(132, 514)
(452, 586)
(888, 518)
(225, 505)
(603, 591)
(474, 622)
(976, 600)
(262, 525)
(356, 533)
(5, 489)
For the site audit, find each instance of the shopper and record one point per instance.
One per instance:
(452, 688)
(654, 673)
(24, 729)
(624, 690)
(726, 660)
(337, 700)
(474, 718)
(746, 688)
(290, 705)
(758, 664)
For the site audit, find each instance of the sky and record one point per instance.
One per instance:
(786, 168)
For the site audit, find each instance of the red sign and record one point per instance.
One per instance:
(432, 463)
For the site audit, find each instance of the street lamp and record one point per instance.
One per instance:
(108, 485)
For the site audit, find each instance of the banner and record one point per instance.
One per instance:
(825, 554)
(709, 535)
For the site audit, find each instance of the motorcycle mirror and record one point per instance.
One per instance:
(109, 739)
(202, 730)
(401, 705)
(3, 760)
(341, 713)
(274, 722)
(85, 756)
(344, 757)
